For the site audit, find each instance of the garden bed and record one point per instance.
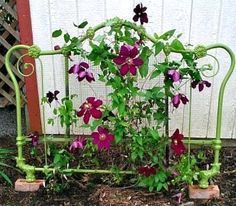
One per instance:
(88, 189)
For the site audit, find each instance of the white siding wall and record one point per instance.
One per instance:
(200, 21)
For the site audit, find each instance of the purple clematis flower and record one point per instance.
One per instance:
(52, 96)
(81, 70)
(102, 138)
(147, 170)
(176, 99)
(78, 143)
(174, 75)
(140, 13)
(90, 108)
(34, 138)
(128, 59)
(200, 84)
(177, 144)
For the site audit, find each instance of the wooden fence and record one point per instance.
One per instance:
(8, 38)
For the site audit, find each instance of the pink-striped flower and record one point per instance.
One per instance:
(90, 108)
(102, 138)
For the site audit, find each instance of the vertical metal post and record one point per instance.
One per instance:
(67, 88)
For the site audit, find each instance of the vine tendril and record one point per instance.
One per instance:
(207, 69)
(25, 66)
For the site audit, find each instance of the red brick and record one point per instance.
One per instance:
(22, 185)
(195, 192)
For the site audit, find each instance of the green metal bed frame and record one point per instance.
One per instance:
(21, 139)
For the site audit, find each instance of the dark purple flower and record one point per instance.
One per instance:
(90, 108)
(57, 47)
(102, 138)
(52, 96)
(176, 99)
(78, 143)
(34, 136)
(177, 144)
(81, 70)
(174, 75)
(128, 59)
(147, 170)
(140, 13)
(200, 84)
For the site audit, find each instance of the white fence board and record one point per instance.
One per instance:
(199, 21)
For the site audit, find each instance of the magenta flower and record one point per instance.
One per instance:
(52, 96)
(102, 138)
(140, 13)
(200, 84)
(34, 138)
(147, 170)
(174, 75)
(176, 99)
(128, 59)
(177, 144)
(90, 108)
(78, 143)
(82, 71)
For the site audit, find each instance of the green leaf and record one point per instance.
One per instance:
(66, 37)
(82, 25)
(121, 109)
(145, 54)
(5, 177)
(155, 74)
(69, 105)
(51, 121)
(55, 111)
(167, 35)
(96, 123)
(154, 133)
(44, 100)
(57, 33)
(158, 47)
(176, 44)
(159, 187)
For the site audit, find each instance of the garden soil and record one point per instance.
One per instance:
(90, 190)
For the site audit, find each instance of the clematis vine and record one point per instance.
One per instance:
(174, 75)
(200, 84)
(78, 143)
(140, 13)
(128, 59)
(177, 144)
(34, 136)
(82, 71)
(90, 108)
(52, 96)
(176, 99)
(147, 170)
(102, 138)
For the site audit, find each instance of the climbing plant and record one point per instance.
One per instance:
(146, 84)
